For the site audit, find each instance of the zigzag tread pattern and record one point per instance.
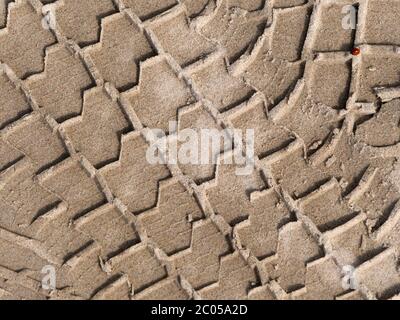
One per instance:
(81, 82)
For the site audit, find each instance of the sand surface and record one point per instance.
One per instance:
(84, 215)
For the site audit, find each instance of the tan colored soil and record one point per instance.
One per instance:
(76, 190)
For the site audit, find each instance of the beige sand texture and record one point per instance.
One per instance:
(82, 80)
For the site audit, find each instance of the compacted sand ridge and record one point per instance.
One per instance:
(84, 214)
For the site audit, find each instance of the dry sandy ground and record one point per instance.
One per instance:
(81, 80)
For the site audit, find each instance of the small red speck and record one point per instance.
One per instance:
(355, 51)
